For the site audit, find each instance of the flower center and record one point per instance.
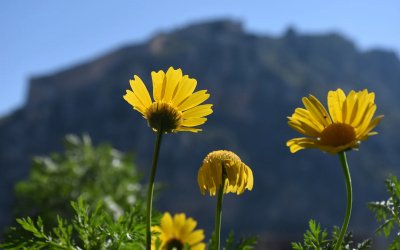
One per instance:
(163, 116)
(338, 134)
(174, 244)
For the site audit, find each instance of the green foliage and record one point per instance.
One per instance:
(107, 211)
(244, 243)
(314, 238)
(89, 229)
(93, 173)
(388, 212)
(317, 239)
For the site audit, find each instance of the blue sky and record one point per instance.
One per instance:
(42, 36)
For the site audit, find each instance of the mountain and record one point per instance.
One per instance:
(255, 82)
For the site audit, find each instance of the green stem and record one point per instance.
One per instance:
(346, 172)
(218, 216)
(151, 188)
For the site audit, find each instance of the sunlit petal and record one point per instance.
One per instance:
(352, 122)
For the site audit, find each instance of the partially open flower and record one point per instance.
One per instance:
(178, 231)
(224, 168)
(350, 121)
(175, 106)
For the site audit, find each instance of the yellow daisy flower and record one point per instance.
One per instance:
(350, 121)
(224, 165)
(176, 232)
(175, 106)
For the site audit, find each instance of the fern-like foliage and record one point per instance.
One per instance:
(90, 229)
(387, 212)
(81, 170)
(244, 243)
(316, 238)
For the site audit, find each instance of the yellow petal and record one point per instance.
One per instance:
(158, 79)
(233, 173)
(131, 98)
(187, 129)
(200, 181)
(305, 116)
(141, 91)
(363, 104)
(211, 183)
(366, 120)
(179, 221)
(192, 122)
(297, 144)
(208, 182)
(194, 100)
(250, 180)
(173, 77)
(372, 124)
(216, 175)
(188, 227)
(184, 89)
(304, 126)
(195, 237)
(198, 111)
(349, 106)
(167, 224)
(317, 111)
(200, 246)
(335, 104)
(239, 186)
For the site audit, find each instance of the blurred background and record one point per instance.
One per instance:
(65, 66)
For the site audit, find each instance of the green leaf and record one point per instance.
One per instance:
(387, 212)
(82, 170)
(90, 229)
(244, 243)
(316, 238)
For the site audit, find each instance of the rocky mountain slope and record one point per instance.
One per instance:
(255, 82)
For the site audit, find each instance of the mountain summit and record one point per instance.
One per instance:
(255, 82)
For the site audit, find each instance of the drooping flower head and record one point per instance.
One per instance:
(178, 231)
(350, 121)
(224, 167)
(176, 107)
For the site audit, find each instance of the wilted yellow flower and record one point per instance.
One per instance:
(350, 121)
(175, 106)
(224, 167)
(178, 231)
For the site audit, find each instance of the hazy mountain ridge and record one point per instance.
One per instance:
(255, 82)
